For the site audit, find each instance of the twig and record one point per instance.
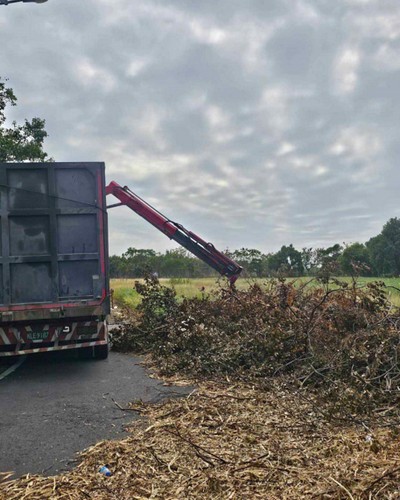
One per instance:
(158, 459)
(309, 328)
(123, 409)
(196, 446)
(227, 396)
(386, 474)
(302, 358)
(5, 476)
(343, 487)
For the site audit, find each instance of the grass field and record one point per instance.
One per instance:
(125, 293)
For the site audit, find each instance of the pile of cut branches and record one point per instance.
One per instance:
(339, 335)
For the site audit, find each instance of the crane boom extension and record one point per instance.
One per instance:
(197, 246)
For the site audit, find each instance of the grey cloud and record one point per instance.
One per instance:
(253, 123)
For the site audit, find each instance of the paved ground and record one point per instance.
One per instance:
(57, 404)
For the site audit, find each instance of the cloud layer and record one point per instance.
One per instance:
(253, 123)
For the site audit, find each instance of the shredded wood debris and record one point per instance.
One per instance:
(313, 413)
(229, 442)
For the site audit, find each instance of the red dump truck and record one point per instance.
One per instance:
(54, 292)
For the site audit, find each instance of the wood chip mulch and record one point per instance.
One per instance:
(230, 441)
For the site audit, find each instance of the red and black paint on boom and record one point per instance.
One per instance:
(187, 239)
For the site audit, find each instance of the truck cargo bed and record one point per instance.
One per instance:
(53, 241)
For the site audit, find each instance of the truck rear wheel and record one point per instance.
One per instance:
(100, 351)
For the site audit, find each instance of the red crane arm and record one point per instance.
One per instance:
(196, 245)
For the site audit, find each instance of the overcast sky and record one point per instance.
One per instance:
(255, 123)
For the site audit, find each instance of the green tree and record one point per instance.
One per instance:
(177, 263)
(20, 142)
(328, 256)
(355, 260)
(140, 261)
(287, 260)
(116, 267)
(309, 259)
(250, 259)
(384, 249)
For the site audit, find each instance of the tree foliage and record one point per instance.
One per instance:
(287, 261)
(380, 256)
(251, 259)
(19, 143)
(176, 263)
(355, 259)
(384, 249)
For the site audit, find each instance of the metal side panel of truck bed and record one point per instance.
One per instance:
(54, 254)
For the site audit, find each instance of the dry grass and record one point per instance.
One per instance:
(231, 441)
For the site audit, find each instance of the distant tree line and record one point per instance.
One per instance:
(177, 263)
(380, 256)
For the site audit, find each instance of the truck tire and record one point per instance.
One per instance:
(100, 351)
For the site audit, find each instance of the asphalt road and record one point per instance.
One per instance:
(55, 405)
